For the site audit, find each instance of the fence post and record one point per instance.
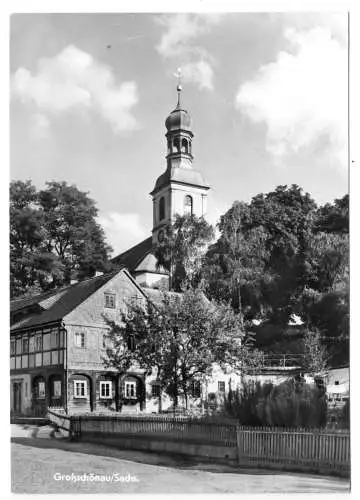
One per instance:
(238, 444)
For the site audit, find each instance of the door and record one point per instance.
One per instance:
(17, 397)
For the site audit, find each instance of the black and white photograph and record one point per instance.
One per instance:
(179, 252)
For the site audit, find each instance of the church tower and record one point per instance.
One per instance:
(180, 189)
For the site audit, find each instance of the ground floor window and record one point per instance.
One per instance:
(41, 389)
(57, 388)
(221, 386)
(195, 389)
(105, 389)
(155, 390)
(130, 389)
(80, 388)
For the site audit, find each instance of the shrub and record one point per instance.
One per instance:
(289, 404)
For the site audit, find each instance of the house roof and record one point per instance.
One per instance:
(134, 256)
(54, 306)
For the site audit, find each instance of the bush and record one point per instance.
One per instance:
(289, 404)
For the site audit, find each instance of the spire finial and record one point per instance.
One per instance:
(178, 75)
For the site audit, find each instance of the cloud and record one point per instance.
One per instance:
(74, 81)
(122, 230)
(302, 96)
(41, 125)
(180, 42)
(200, 72)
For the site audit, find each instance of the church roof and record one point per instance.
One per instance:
(134, 256)
(178, 119)
(180, 175)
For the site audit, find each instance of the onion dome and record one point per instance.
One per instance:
(179, 119)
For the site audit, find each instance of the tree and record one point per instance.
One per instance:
(179, 337)
(315, 355)
(182, 250)
(72, 231)
(263, 251)
(235, 264)
(30, 262)
(329, 260)
(54, 237)
(334, 217)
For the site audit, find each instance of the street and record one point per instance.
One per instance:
(59, 466)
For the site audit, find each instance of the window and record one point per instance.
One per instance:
(195, 389)
(12, 346)
(130, 390)
(177, 145)
(79, 339)
(162, 208)
(46, 358)
(155, 390)
(46, 341)
(106, 389)
(25, 345)
(184, 146)
(54, 357)
(104, 342)
(31, 360)
(38, 359)
(110, 300)
(221, 386)
(41, 390)
(188, 205)
(32, 344)
(54, 339)
(80, 388)
(18, 346)
(38, 342)
(57, 388)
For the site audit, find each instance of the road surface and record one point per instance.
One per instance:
(59, 466)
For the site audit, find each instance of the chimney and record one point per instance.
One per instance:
(98, 273)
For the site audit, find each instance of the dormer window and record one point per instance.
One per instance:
(110, 301)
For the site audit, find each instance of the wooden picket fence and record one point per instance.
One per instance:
(304, 449)
(317, 449)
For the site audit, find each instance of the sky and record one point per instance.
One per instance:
(267, 93)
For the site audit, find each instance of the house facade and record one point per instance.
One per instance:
(58, 343)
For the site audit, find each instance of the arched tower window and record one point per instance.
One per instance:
(184, 146)
(188, 205)
(177, 145)
(162, 208)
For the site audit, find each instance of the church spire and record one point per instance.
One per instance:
(181, 189)
(178, 75)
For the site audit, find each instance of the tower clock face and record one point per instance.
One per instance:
(160, 236)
